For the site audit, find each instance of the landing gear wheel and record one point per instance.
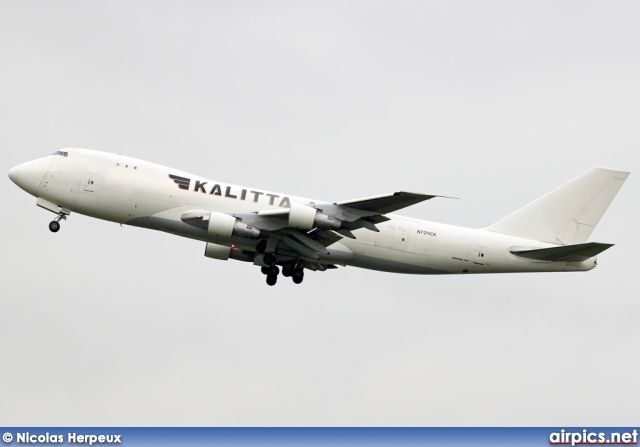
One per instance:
(272, 279)
(274, 270)
(287, 269)
(54, 226)
(297, 276)
(265, 270)
(269, 259)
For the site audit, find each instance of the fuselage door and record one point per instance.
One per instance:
(392, 236)
(480, 257)
(399, 240)
(88, 182)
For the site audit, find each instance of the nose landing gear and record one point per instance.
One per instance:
(54, 225)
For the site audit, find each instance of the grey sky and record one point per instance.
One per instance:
(493, 102)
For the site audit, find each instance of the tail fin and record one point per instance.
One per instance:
(568, 214)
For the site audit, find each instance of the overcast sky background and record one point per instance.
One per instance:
(493, 102)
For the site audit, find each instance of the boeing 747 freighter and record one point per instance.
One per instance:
(287, 234)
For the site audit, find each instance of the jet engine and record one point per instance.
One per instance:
(224, 225)
(223, 253)
(305, 218)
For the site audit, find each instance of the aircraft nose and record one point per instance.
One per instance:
(29, 175)
(13, 174)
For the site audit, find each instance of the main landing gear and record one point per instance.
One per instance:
(297, 276)
(289, 269)
(272, 274)
(54, 225)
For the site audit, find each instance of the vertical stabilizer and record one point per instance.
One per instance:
(568, 214)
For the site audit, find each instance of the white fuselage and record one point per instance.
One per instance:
(135, 192)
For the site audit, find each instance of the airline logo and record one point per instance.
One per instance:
(183, 182)
(216, 190)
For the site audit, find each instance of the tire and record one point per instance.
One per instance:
(297, 276)
(287, 268)
(272, 279)
(265, 270)
(274, 270)
(54, 226)
(269, 259)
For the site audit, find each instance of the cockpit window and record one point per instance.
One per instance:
(63, 153)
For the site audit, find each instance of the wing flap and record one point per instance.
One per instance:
(568, 253)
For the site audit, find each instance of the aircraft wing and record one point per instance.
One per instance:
(345, 216)
(386, 203)
(308, 229)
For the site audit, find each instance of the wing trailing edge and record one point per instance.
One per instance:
(387, 203)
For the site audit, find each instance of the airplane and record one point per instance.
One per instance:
(287, 234)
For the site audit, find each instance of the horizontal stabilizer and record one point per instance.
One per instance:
(568, 253)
